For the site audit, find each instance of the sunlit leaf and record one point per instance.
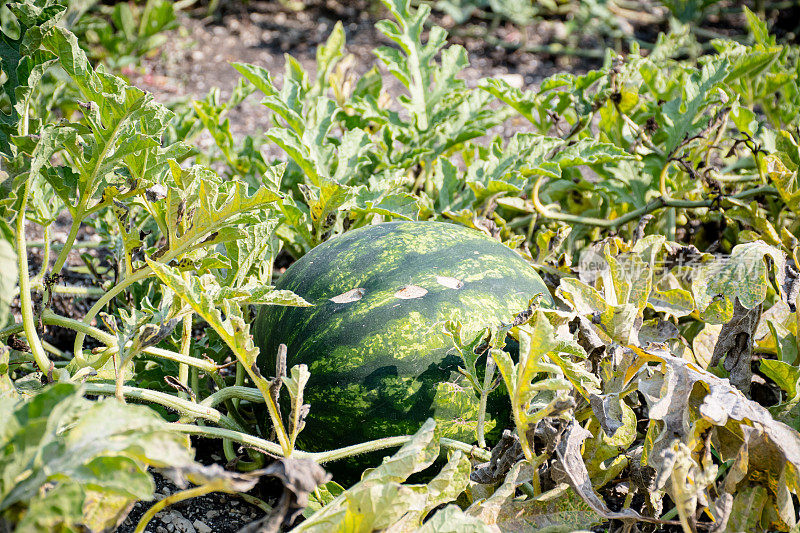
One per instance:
(381, 500)
(743, 275)
(80, 447)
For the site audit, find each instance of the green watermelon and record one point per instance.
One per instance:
(380, 364)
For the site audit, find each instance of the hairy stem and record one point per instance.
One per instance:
(59, 245)
(239, 380)
(327, 456)
(662, 180)
(272, 406)
(25, 301)
(183, 407)
(120, 358)
(240, 393)
(67, 246)
(186, 494)
(488, 377)
(69, 290)
(654, 205)
(186, 343)
(45, 259)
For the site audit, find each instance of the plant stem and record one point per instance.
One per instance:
(671, 224)
(182, 407)
(69, 290)
(194, 378)
(244, 393)
(186, 339)
(45, 257)
(272, 407)
(208, 366)
(59, 245)
(194, 492)
(67, 246)
(358, 449)
(488, 377)
(662, 180)
(797, 310)
(120, 359)
(225, 398)
(239, 379)
(255, 502)
(139, 275)
(53, 350)
(25, 301)
(759, 167)
(328, 456)
(228, 451)
(469, 449)
(636, 214)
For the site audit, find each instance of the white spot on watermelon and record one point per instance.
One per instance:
(353, 295)
(410, 292)
(450, 283)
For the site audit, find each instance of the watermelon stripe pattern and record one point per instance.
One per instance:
(373, 340)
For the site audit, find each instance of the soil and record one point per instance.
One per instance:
(215, 512)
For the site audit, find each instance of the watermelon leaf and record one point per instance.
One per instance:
(681, 114)
(219, 206)
(785, 180)
(203, 295)
(414, 64)
(743, 275)
(116, 111)
(295, 383)
(559, 508)
(66, 450)
(532, 398)
(381, 500)
(786, 376)
(525, 103)
(328, 56)
(24, 62)
(451, 519)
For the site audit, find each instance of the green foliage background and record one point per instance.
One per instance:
(668, 378)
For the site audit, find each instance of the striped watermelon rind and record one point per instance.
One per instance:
(380, 364)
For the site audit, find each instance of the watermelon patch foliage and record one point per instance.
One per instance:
(620, 279)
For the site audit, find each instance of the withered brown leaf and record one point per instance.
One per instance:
(735, 343)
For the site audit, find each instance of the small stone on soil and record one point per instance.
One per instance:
(201, 527)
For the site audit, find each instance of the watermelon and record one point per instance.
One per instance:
(373, 341)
